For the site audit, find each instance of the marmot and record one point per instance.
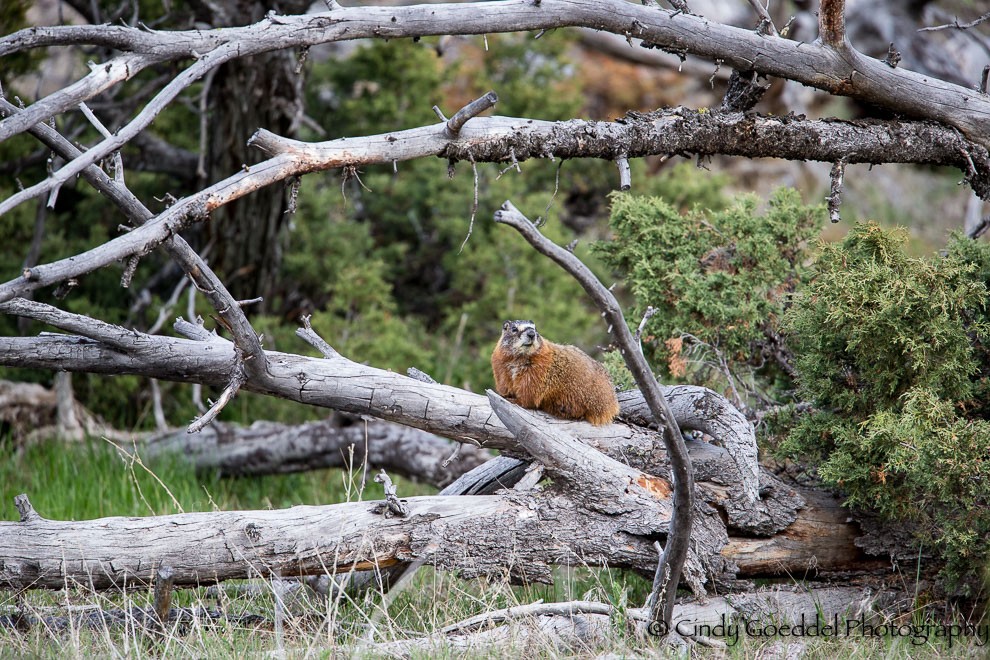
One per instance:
(559, 379)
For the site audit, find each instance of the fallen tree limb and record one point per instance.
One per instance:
(613, 523)
(343, 385)
(472, 534)
(520, 534)
(584, 627)
(272, 448)
(140, 619)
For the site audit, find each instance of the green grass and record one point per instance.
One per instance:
(95, 479)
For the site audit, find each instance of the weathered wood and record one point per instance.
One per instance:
(523, 534)
(273, 448)
(580, 626)
(814, 64)
(341, 384)
(822, 539)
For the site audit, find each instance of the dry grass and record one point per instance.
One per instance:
(298, 623)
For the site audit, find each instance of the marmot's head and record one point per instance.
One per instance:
(520, 337)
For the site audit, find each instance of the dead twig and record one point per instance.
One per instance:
(834, 198)
(956, 25)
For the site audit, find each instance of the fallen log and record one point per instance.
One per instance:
(597, 512)
(581, 518)
(342, 441)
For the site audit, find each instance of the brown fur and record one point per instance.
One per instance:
(555, 378)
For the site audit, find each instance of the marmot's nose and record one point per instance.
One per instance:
(530, 333)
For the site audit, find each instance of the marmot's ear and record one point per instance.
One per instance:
(505, 326)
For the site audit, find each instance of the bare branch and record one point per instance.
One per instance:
(766, 23)
(743, 92)
(899, 90)
(647, 315)
(310, 336)
(625, 174)
(99, 80)
(226, 397)
(497, 139)
(125, 134)
(956, 25)
(340, 441)
(161, 424)
(676, 552)
(106, 333)
(202, 276)
(525, 611)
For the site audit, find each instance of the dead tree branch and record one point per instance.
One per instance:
(587, 624)
(193, 265)
(344, 441)
(853, 74)
(343, 385)
(522, 533)
(500, 139)
(832, 24)
(472, 109)
(675, 552)
(956, 25)
(465, 534)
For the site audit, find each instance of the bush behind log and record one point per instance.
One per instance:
(891, 350)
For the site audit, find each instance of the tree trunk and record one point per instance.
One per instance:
(246, 94)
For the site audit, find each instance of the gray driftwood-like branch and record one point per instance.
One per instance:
(519, 534)
(273, 448)
(830, 63)
(821, 64)
(503, 139)
(584, 624)
(675, 551)
(138, 214)
(598, 512)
